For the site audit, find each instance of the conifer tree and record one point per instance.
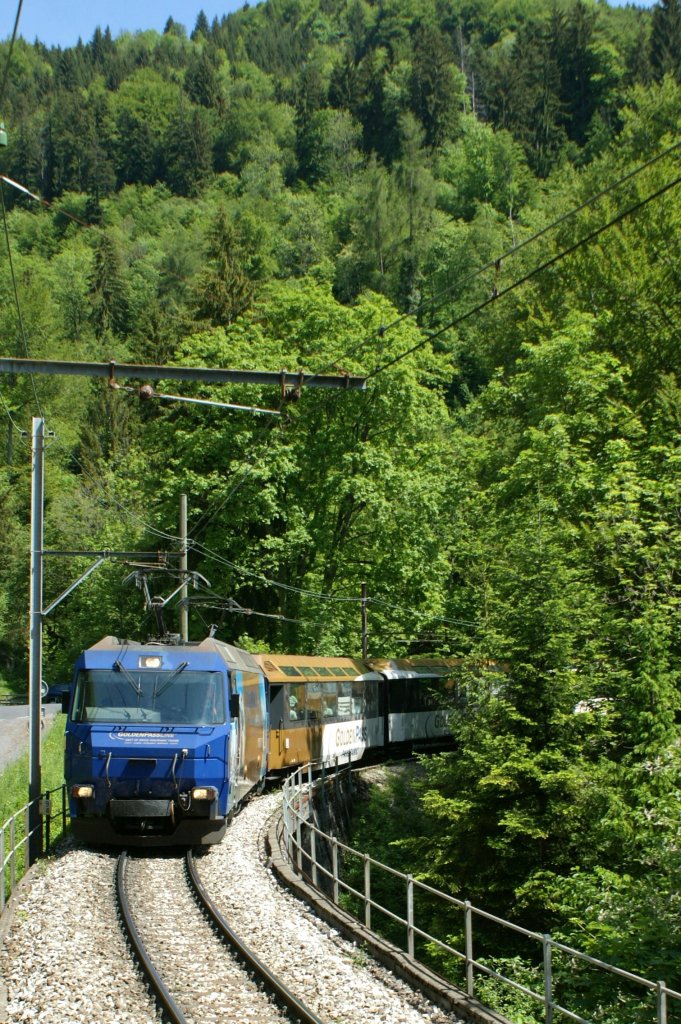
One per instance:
(665, 40)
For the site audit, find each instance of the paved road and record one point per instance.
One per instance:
(14, 730)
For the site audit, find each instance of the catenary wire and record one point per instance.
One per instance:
(316, 595)
(16, 292)
(5, 76)
(212, 555)
(432, 303)
(526, 277)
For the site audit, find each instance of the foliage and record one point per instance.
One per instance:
(331, 188)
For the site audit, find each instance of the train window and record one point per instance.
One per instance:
(307, 671)
(357, 698)
(276, 704)
(398, 696)
(289, 670)
(163, 697)
(295, 702)
(371, 699)
(323, 671)
(344, 699)
(329, 700)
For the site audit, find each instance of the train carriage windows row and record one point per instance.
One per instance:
(312, 671)
(320, 702)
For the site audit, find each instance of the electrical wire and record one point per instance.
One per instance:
(5, 76)
(206, 552)
(16, 293)
(527, 277)
(265, 437)
(433, 303)
(315, 595)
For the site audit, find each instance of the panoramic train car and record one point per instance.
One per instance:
(421, 695)
(322, 709)
(162, 741)
(327, 708)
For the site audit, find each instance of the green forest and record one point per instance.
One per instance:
(476, 206)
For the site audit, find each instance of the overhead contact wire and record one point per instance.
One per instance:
(5, 75)
(432, 303)
(527, 277)
(16, 293)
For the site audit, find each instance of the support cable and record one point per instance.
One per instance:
(527, 277)
(5, 75)
(433, 303)
(16, 293)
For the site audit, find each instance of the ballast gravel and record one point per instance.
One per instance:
(209, 985)
(65, 960)
(329, 974)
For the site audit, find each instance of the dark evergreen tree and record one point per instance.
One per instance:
(201, 81)
(523, 94)
(665, 39)
(108, 293)
(582, 82)
(310, 96)
(201, 28)
(436, 85)
(188, 151)
(224, 291)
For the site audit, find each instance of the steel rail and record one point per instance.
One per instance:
(277, 987)
(160, 992)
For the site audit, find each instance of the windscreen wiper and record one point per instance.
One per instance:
(171, 679)
(118, 667)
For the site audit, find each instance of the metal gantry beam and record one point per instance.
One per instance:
(139, 371)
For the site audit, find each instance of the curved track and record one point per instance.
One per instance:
(179, 948)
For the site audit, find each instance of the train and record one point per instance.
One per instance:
(165, 741)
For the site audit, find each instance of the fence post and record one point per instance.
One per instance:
(12, 853)
(47, 805)
(661, 1003)
(468, 926)
(410, 916)
(63, 808)
(287, 818)
(2, 869)
(334, 868)
(367, 890)
(313, 854)
(548, 980)
(299, 839)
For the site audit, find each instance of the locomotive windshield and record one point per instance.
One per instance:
(165, 697)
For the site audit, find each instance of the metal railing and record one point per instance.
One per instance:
(299, 825)
(15, 835)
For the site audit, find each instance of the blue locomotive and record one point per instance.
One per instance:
(163, 741)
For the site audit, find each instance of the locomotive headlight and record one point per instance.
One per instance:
(204, 793)
(150, 661)
(83, 790)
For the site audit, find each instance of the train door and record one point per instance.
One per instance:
(248, 733)
(254, 712)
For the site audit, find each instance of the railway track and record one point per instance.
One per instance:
(198, 969)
